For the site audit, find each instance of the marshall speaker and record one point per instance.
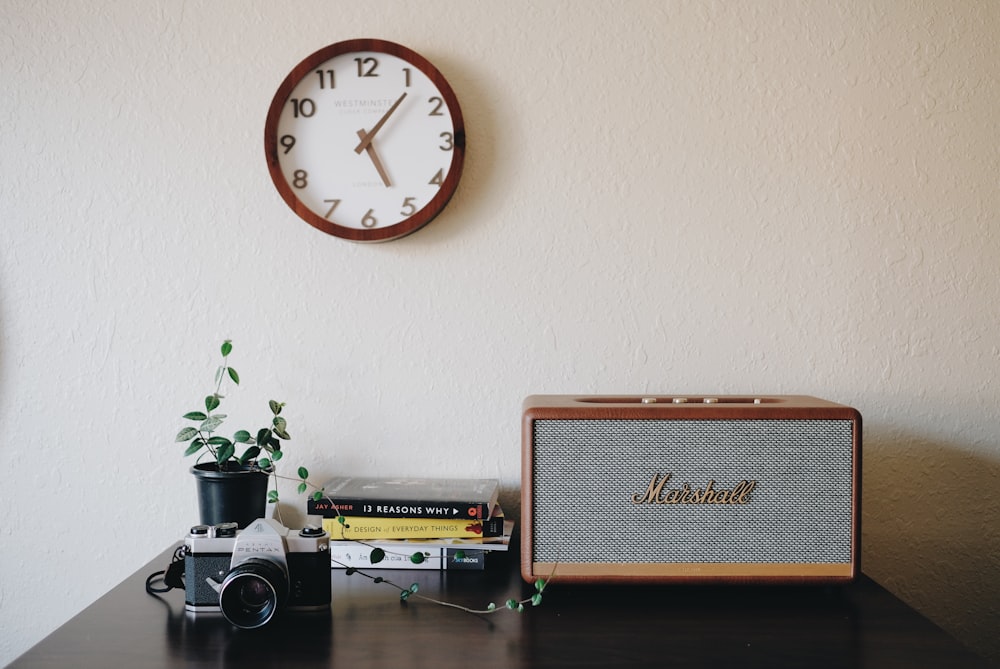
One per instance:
(688, 489)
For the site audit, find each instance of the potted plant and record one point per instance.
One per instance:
(232, 487)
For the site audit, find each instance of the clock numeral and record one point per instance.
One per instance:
(333, 205)
(288, 142)
(369, 220)
(304, 107)
(370, 63)
(437, 104)
(406, 76)
(449, 141)
(409, 209)
(437, 179)
(324, 77)
(300, 178)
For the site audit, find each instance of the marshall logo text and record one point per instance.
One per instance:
(656, 493)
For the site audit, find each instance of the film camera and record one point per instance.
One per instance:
(251, 575)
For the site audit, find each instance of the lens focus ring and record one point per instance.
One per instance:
(253, 592)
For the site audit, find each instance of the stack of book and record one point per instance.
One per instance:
(412, 523)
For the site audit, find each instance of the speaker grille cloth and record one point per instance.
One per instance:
(586, 471)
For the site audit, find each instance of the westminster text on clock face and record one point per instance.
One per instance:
(365, 140)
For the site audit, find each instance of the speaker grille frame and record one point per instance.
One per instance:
(791, 462)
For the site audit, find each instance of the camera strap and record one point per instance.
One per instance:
(172, 577)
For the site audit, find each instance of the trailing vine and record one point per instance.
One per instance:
(378, 555)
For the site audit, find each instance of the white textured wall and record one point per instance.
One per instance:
(763, 197)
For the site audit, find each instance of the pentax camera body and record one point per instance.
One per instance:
(253, 574)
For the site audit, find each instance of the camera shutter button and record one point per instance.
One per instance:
(312, 531)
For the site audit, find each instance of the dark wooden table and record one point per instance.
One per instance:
(861, 625)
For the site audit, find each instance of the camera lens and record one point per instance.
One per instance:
(253, 592)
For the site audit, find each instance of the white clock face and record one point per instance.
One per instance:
(366, 140)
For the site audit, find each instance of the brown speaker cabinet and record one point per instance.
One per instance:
(684, 488)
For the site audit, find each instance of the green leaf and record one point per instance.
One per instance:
(211, 403)
(276, 455)
(281, 427)
(512, 604)
(302, 488)
(242, 437)
(536, 599)
(210, 424)
(219, 441)
(404, 595)
(303, 473)
(417, 558)
(272, 496)
(275, 406)
(540, 584)
(224, 453)
(414, 587)
(318, 495)
(342, 520)
(249, 455)
(233, 375)
(195, 415)
(459, 555)
(377, 555)
(195, 446)
(264, 463)
(491, 607)
(187, 434)
(263, 436)
(227, 347)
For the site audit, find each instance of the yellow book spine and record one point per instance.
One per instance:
(361, 528)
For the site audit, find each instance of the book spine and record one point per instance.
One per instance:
(365, 528)
(350, 554)
(396, 508)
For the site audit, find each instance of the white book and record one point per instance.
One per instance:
(398, 555)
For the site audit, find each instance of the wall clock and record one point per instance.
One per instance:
(365, 140)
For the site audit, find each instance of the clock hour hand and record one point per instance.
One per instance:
(366, 138)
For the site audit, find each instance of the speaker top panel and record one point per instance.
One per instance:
(665, 406)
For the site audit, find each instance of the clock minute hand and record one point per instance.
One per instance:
(367, 139)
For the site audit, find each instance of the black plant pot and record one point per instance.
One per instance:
(236, 495)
